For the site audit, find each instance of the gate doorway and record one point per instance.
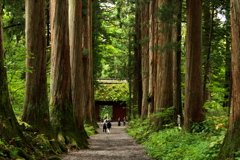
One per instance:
(106, 111)
(114, 109)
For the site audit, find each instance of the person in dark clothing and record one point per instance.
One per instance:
(104, 126)
(119, 121)
(109, 125)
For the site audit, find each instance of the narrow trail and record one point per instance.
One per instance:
(117, 145)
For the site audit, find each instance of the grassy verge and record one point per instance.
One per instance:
(174, 143)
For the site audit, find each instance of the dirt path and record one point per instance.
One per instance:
(114, 146)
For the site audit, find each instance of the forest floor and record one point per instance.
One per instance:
(117, 145)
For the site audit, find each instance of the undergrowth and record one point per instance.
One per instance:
(39, 147)
(174, 143)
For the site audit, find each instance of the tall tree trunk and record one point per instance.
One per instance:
(62, 115)
(152, 53)
(231, 143)
(9, 127)
(145, 57)
(176, 38)
(137, 88)
(193, 104)
(227, 96)
(151, 56)
(88, 63)
(36, 108)
(207, 42)
(78, 87)
(155, 53)
(164, 90)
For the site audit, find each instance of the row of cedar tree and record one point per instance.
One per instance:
(71, 89)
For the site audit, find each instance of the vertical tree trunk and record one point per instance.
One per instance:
(227, 96)
(150, 59)
(78, 87)
(137, 88)
(9, 127)
(62, 115)
(36, 108)
(231, 142)
(145, 57)
(164, 90)
(155, 53)
(88, 63)
(193, 104)
(176, 37)
(207, 42)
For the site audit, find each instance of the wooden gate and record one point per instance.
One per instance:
(119, 109)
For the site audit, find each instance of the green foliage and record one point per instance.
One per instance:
(164, 113)
(106, 111)
(16, 68)
(89, 129)
(174, 143)
(213, 125)
(214, 108)
(237, 155)
(139, 129)
(113, 41)
(13, 19)
(112, 92)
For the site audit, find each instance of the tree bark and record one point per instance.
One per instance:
(176, 38)
(62, 114)
(227, 96)
(231, 142)
(76, 60)
(145, 57)
(207, 42)
(9, 127)
(88, 63)
(163, 98)
(137, 88)
(193, 104)
(36, 108)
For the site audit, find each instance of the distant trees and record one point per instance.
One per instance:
(154, 36)
(162, 75)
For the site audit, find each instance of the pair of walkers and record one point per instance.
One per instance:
(107, 126)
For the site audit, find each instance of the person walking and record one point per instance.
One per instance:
(124, 121)
(109, 125)
(104, 126)
(119, 121)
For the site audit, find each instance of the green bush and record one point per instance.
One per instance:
(139, 129)
(174, 143)
(89, 129)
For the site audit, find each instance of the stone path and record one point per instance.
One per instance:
(117, 145)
